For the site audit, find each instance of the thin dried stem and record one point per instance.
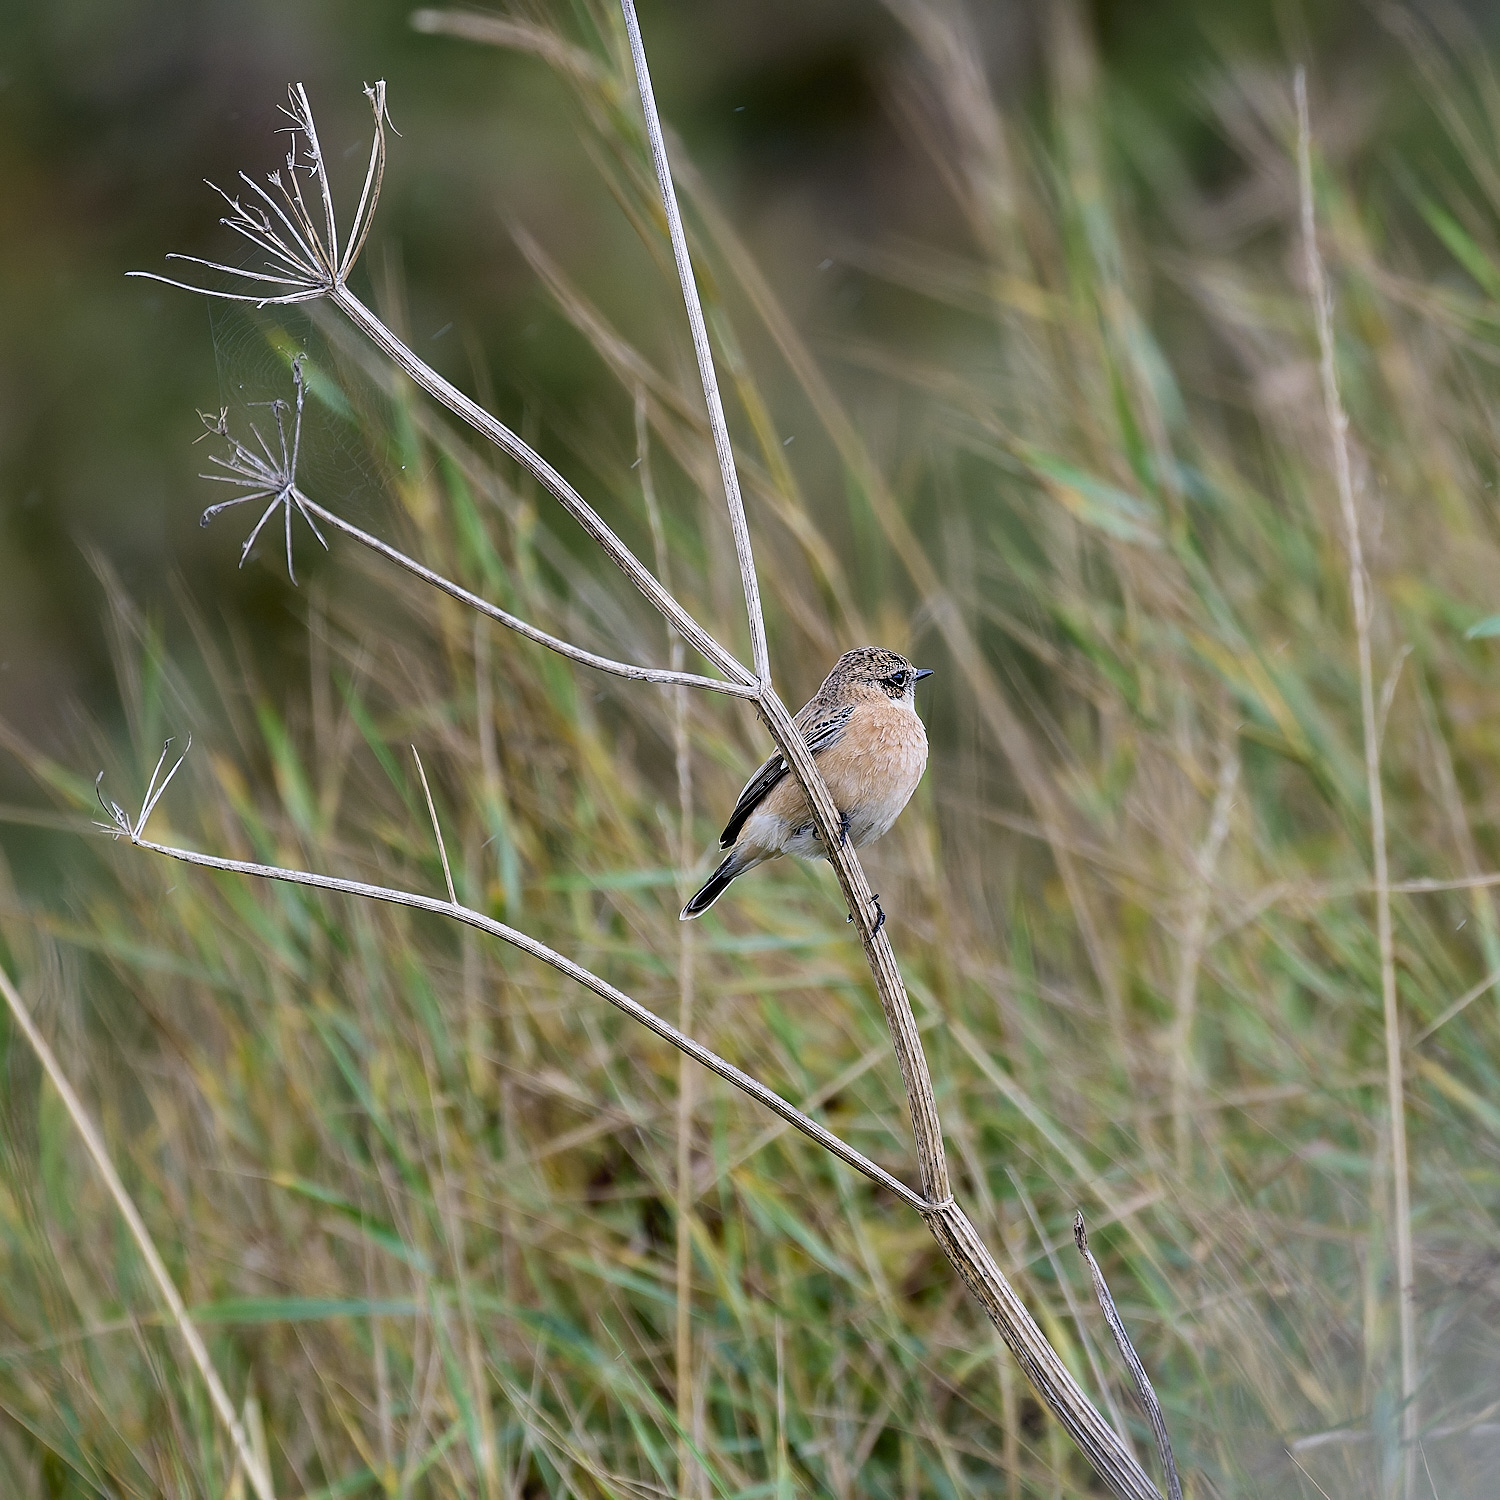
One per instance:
(1463, 1002)
(524, 36)
(716, 422)
(528, 944)
(1039, 1361)
(1190, 958)
(960, 1241)
(1049, 1249)
(690, 1474)
(1359, 590)
(277, 476)
(1127, 1351)
(437, 831)
(521, 627)
(509, 443)
(318, 269)
(245, 1455)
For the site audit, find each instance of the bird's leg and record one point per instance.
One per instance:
(844, 829)
(879, 915)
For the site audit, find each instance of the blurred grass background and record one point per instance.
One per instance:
(1023, 373)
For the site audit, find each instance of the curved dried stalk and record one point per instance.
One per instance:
(509, 443)
(245, 1456)
(949, 1224)
(663, 675)
(321, 271)
(121, 825)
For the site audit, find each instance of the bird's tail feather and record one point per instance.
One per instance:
(713, 887)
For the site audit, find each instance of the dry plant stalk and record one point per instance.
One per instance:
(1359, 592)
(306, 262)
(691, 1479)
(1127, 1351)
(245, 1455)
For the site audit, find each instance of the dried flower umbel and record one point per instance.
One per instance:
(268, 474)
(302, 257)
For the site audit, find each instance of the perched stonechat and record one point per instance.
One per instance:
(863, 729)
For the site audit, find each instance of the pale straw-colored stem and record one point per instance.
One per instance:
(1048, 1250)
(528, 944)
(1039, 1361)
(513, 622)
(1104, 1447)
(1132, 1359)
(245, 1455)
(508, 442)
(701, 349)
(690, 1474)
(1359, 591)
(1190, 959)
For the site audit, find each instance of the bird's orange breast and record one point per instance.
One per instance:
(871, 770)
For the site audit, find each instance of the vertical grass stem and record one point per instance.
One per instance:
(689, 1472)
(1359, 590)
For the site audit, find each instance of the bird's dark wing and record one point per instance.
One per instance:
(820, 731)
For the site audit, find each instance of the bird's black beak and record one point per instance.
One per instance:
(921, 672)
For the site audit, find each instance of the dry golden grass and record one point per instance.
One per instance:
(425, 1195)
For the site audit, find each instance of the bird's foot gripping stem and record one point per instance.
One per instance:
(879, 915)
(844, 830)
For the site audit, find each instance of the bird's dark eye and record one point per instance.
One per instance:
(898, 681)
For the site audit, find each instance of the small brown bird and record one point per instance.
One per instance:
(862, 726)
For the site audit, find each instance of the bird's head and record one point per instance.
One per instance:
(873, 668)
